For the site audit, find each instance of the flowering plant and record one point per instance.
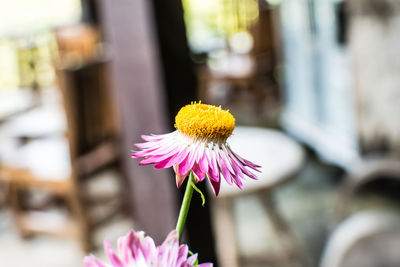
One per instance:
(138, 250)
(198, 149)
(198, 146)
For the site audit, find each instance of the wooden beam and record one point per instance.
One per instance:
(128, 28)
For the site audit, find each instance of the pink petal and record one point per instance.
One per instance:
(238, 171)
(238, 182)
(111, 255)
(178, 157)
(214, 178)
(187, 163)
(162, 164)
(148, 247)
(249, 173)
(224, 157)
(157, 137)
(192, 259)
(244, 170)
(169, 250)
(203, 163)
(92, 261)
(215, 185)
(150, 138)
(182, 256)
(178, 177)
(141, 154)
(196, 170)
(235, 161)
(199, 152)
(159, 158)
(134, 245)
(213, 171)
(245, 162)
(172, 238)
(163, 149)
(149, 160)
(225, 172)
(213, 167)
(146, 145)
(124, 246)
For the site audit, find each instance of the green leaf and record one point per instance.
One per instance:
(201, 194)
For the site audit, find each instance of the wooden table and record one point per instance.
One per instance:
(15, 101)
(281, 158)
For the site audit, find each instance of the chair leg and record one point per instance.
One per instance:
(83, 229)
(225, 233)
(5, 194)
(16, 208)
(283, 229)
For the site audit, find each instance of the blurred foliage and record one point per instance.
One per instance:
(210, 23)
(28, 62)
(9, 77)
(27, 45)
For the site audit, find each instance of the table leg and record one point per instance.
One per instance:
(225, 233)
(283, 229)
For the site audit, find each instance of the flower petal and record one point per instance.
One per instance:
(203, 162)
(146, 145)
(115, 261)
(178, 177)
(187, 163)
(223, 155)
(225, 172)
(140, 154)
(178, 157)
(160, 158)
(92, 261)
(245, 161)
(198, 173)
(212, 163)
(215, 185)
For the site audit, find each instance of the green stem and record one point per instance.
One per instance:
(185, 205)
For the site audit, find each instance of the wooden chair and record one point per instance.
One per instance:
(62, 167)
(366, 171)
(364, 239)
(366, 230)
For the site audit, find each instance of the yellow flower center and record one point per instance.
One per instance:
(205, 121)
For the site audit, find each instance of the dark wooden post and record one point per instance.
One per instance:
(128, 28)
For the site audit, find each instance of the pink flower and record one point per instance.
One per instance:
(138, 250)
(200, 145)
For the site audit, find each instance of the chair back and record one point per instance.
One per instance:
(89, 107)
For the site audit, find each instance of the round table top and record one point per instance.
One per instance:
(279, 156)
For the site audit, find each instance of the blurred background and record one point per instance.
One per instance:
(314, 86)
